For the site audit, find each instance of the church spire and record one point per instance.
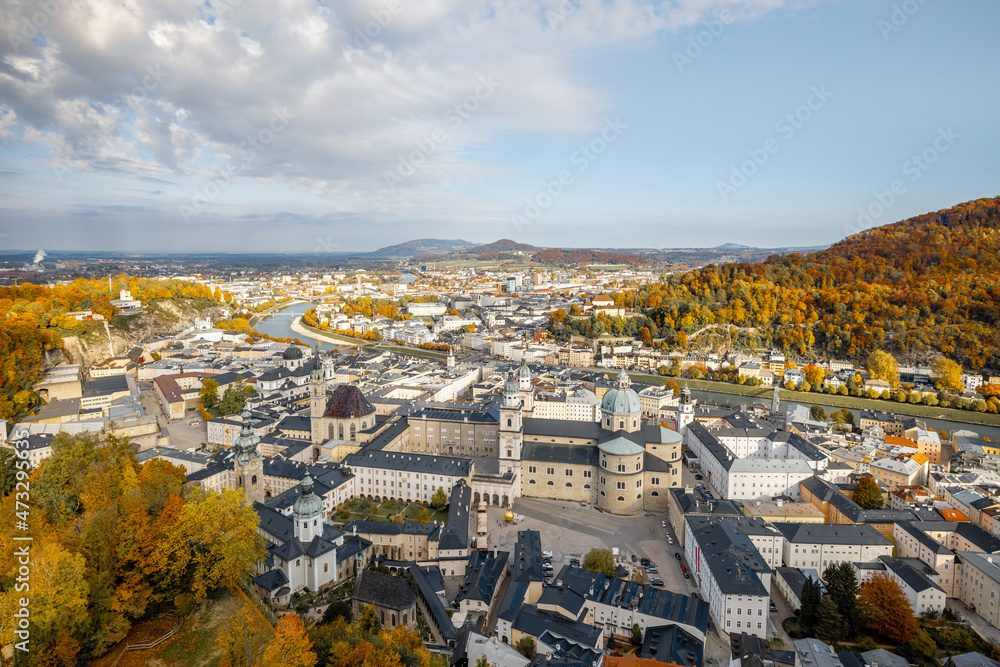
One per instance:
(247, 441)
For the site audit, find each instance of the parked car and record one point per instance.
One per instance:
(634, 559)
(549, 581)
(670, 540)
(575, 562)
(546, 554)
(656, 581)
(687, 575)
(683, 567)
(694, 595)
(663, 524)
(652, 570)
(677, 555)
(773, 606)
(699, 478)
(644, 562)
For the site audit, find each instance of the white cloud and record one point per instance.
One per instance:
(363, 80)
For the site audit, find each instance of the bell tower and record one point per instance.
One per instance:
(317, 398)
(248, 465)
(511, 431)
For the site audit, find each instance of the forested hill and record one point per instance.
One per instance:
(917, 287)
(34, 319)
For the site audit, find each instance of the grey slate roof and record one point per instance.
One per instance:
(817, 533)
(384, 590)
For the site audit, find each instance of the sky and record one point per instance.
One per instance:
(316, 126)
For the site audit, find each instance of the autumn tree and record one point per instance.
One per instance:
(868, 494)
(214, 543)
(815, 374)
(600, 560)
(946, 374)
(209, 393)
(884, 609)
(439, 500)
(291, 645)
(243, 640)
(883, 366)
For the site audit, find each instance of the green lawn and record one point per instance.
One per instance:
(362, 509)
(836, 400)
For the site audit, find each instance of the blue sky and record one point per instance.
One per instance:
(274, 126)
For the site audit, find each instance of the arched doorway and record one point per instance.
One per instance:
(496, 499)
(506, 501)
(476, 497)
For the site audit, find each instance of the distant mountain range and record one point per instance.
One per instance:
(439, 250)
(420, 247)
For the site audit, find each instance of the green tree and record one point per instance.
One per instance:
(883, 366)
(337, 609)
(439, 500)
(922, 645)
(526, 647)
(209, 393)
(234, 398)
(8, 470)
(867, 494)
(481, 661)
(636, 634)
(817, 412)
(829, 622)
(808, 613)
(842, 588)
(600, 560)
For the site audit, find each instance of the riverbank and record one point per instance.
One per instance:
(323, 336)
(834, 400)
(276, 307)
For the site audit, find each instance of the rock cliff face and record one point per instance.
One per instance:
(163, 318)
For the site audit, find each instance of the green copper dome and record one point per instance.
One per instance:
(510, 386)
(621, 399)
(308, 504)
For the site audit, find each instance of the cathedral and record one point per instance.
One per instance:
(618, 464)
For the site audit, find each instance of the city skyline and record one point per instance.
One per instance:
(246, 127)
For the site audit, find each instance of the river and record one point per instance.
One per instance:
(937, 424)
(279, 325)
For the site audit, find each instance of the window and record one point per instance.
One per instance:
(569, 473)
(550, 471)
(621, 498)
(587, 474)
(531, 469)
(621, 486)
(621, 467)
(531, 481)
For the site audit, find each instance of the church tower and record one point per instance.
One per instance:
(685, 410)
(308, 513)
(248, 464)
(511, 432)
(317, 399)
(524, 387)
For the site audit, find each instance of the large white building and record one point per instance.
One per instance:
(818, 546)
(734, 577)
(774, 463)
